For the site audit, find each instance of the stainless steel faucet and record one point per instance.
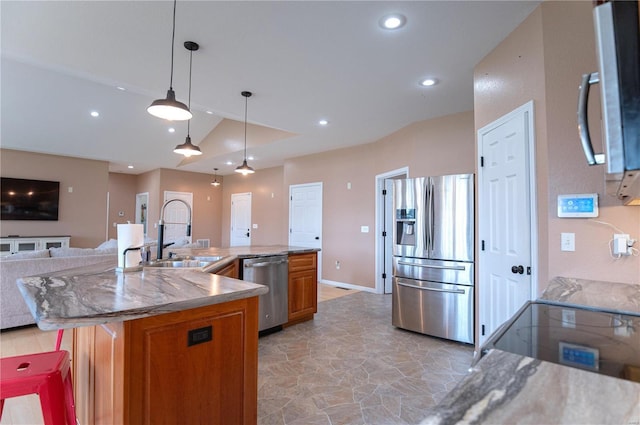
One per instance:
(161, 224)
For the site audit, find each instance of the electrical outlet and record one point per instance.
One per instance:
(621, 244)
(337, 265)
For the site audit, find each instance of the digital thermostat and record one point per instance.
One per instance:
(575, 206)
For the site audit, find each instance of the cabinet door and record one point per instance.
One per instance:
(98, 364)
(303, 294)
(196, 366)
(5, 247)
(55, 243)
(229, 271)
(27, 245)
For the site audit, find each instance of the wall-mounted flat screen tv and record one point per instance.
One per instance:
(23, 199)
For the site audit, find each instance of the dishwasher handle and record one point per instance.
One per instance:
(422, 288)
(265, 263)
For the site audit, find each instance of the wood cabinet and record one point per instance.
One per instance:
(303, 287)
(193, 366)
(230, 270)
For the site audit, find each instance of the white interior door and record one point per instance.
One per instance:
(176, 216)
(305, 217)
(506, 219)
(240, 234)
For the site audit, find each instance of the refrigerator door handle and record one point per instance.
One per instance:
(432, 230)
(431, 266)
(422, 288)
(583, 122)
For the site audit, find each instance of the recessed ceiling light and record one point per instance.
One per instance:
(172, 130)
(323, 122)
(209, 112)
(393, 22)
(428, 82)
(129, 166)
(229, 163)
(121, 88)
(250, 158)
(95, 114)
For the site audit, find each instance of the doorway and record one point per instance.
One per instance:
(176, 216)
(305, 218)
(507, 267)
(384, 226)
(240, 234)
(142, 203)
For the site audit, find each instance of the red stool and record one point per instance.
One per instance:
(46, 374)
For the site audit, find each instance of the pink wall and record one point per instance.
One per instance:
(122, 198)
(543, 60)
(432, 147)
(82, 212)
(268, 206)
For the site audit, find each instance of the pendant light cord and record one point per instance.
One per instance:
(246, 101)
(190, 67)
(173, 37)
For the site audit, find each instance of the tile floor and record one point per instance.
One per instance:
(347, 366)
(351, 366)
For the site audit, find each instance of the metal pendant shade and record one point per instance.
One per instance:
(169, 108)
(187, 149)
(244, 169)
(215, 181)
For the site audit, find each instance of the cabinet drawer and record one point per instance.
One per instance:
(302, 261)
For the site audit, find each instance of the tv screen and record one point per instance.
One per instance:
(22, 199)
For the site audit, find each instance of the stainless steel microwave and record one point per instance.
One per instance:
(618, 48)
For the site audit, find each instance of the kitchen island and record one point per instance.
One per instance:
(161, 344)
(504, 387)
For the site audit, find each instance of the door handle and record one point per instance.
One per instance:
(247, 234)
(517, 270)
(432, 266)
(317, 238)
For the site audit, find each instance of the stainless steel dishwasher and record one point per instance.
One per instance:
(272, 272)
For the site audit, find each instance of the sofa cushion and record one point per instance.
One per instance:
(25, 255)
(111, 244)
(73, 252)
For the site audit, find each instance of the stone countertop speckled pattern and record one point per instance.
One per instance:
(99, 294)
(611, 296)
(508, 388)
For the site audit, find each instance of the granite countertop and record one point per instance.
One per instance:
(99, 294)
(242, 251)
(506, 388)
(510, 388)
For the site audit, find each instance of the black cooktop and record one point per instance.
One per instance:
(589, 339)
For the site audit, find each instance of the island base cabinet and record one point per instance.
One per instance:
(193, 366)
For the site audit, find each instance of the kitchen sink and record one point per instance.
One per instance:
(190, 262)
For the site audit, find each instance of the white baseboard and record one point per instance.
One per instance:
(348, 286)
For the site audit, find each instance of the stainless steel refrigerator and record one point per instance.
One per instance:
(433, 256)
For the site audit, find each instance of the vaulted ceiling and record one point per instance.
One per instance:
(303, 60)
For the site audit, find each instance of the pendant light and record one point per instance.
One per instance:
(244, 169)
(215, 181)
(187, 149)
(169, 108)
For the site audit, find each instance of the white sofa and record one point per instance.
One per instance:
(13, 309)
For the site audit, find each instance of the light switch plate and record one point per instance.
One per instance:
(567, 241)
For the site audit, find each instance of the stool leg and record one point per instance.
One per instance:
(69, 401)
(1, 407)
(52, 402)
(59, 339)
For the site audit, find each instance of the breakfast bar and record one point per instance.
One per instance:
(158, 345)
